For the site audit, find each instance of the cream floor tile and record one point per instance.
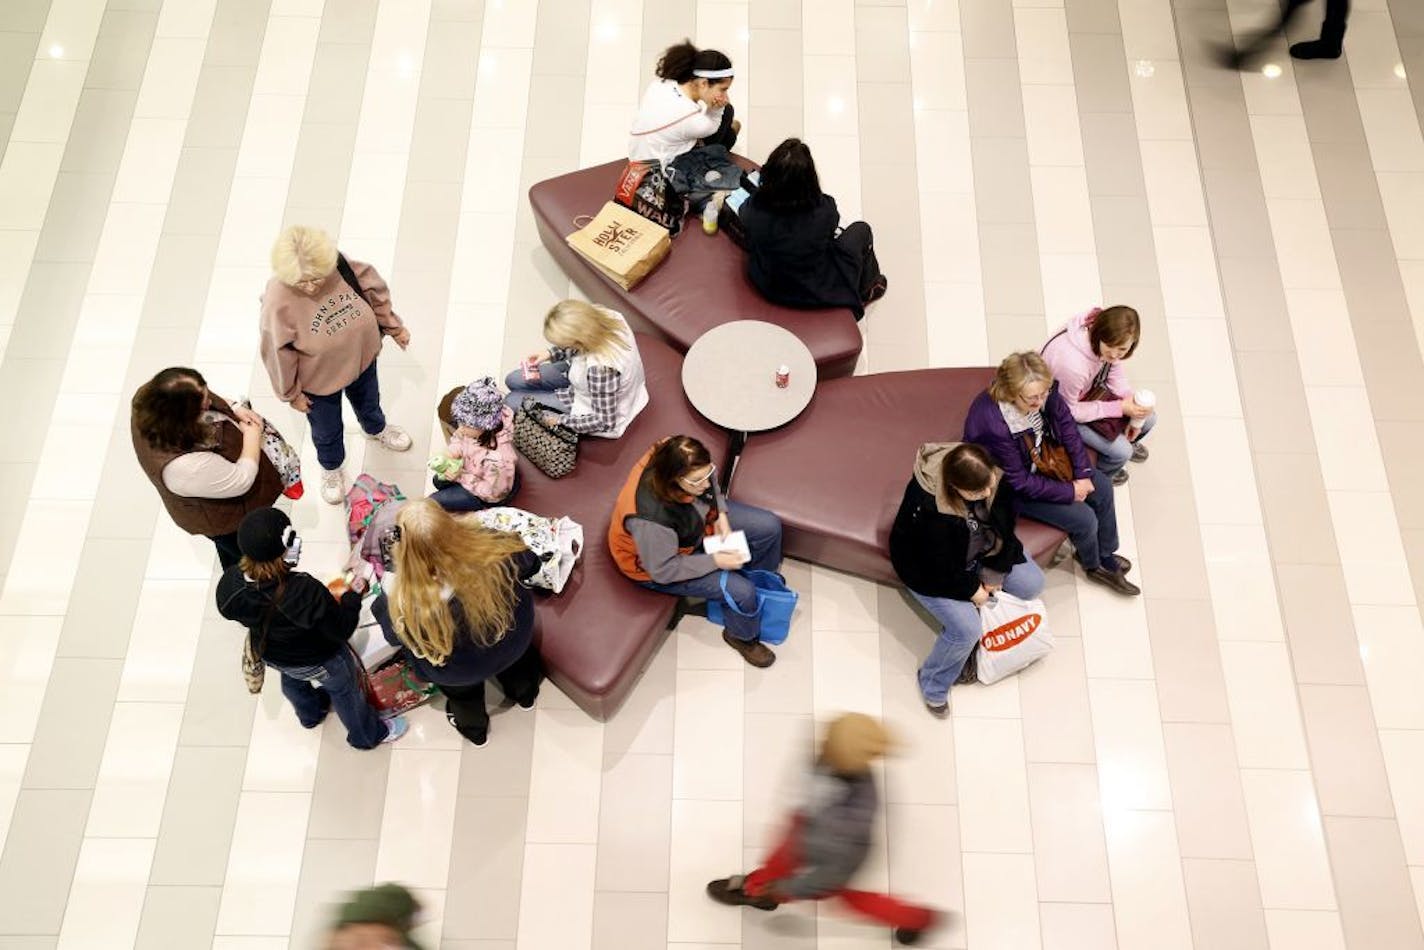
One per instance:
(844, 673)
(1243, 586)
(1149, 900)
(1061, 209)
(1077, 926)
(27, 650)
(645, 723)
(270, 138)
(27, 178)
(565, 778)
(1349, 453)
(1057, 721)
(556, 901)
(707, 754)
(1225, 490)
(106, 898)
(51, 96)
(933, 15)
(1174, 191)
(1267, 96)
(1395, 143)
(249, 943)
(1304, 251)
(1042, 35)
(1051, 125)
(1260, 689)
(502, 89)
(1371, 550)
(150, 161)
(12, 771)
(174, 65)
(924, 867)
(1283, 153)
(1401, 194)
(993, 792)
(841, 602)
(779, 753)
(1287, 840)
(629, 920)
(1201, 349)
(955, 324)
(1068, 280)
(1068, 848)
(287, 49)
(164, 640)
(133, 774)
(52, 537)
(635, 820)
(263, 867)
(284, 754)
(1405, 767)
(418, 819)
(1114, 630)
(1160, 104)
(706, 844)
(1305, 929)
(1000, 903)
(1132, 761)
(1186, 264)
(699, 646)
(1392, 651)
(937, 70)
(942, 147)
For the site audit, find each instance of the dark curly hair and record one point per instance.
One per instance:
(168, 409)
(678, 62)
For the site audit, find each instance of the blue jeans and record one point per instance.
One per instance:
(1113, 455)
(335, 684)
(1091, 524)
(961, 629)
(325, 417)
(763, 531)
(552, 377)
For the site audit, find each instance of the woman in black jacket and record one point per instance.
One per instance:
(953, 545)
(797, 253)
(299, 630)
(457, 606)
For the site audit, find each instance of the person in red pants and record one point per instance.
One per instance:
(829, 837)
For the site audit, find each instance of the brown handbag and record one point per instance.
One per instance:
(1050, 459)
(1108, 428)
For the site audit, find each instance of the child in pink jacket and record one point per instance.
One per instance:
(483, 445)
(1087, 358)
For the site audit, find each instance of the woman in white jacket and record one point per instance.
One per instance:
(685, 106)
(591, 373)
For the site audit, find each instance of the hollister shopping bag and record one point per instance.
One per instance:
(622, 244)
(1015, 634)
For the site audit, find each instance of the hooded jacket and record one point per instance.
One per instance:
(929, 543)
(308, 626)
(794, 259)
(1069, 353)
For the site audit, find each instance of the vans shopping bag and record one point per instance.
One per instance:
(557, 541)
(775, 602)
(622, 244)
(1015, 634)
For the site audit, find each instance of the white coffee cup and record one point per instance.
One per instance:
(1145, 398)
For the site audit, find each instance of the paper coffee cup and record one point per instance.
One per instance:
(1145, 398)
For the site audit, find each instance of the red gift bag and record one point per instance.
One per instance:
(396, 688)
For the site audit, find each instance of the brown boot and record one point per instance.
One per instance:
(755, 652)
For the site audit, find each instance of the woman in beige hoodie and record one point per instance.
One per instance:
(323, 319)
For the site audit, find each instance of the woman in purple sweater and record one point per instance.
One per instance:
(1021, 418)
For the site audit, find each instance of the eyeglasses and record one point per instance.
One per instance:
(702, 482)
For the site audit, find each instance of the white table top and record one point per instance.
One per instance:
(729, 375)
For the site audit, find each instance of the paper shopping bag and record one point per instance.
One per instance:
(623, 245)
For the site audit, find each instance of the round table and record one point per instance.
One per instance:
(729, 376)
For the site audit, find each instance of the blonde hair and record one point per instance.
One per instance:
(302, 254)
(437, 549)
(1017, 371)
(585, 328)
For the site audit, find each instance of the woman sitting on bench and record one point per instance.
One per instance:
(668, 505)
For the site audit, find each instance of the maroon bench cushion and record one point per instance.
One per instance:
(837, 473)
(702, 284)
(600, 633)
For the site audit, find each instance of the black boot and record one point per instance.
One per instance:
(1316, 49)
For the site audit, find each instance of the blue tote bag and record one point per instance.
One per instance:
(775, 603)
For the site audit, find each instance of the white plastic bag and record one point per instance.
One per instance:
(1014, 633)
(559, 541)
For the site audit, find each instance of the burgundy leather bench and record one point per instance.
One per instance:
(700, 285)
(600, 633)
(837, 473)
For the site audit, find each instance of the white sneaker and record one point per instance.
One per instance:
(333, 486)
(392, 437)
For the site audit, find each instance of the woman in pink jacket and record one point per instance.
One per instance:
(323, 321)
(1086, 357)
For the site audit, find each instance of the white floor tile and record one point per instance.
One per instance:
(106, 898)
(706, 844)
(707, 735)
(1392, 651)
(993, 785)
(1287, 840)
(1305, 929)
(27, 649)
(1000, 902)
(565, 778)
(556, 900)
(133, 774)
(1260, 689)
(1132, 759)
(419, 817)
(260, 887)
(1149, 900)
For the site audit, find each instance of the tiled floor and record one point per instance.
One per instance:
(1231, 763)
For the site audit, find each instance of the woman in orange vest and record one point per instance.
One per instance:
(668, 505)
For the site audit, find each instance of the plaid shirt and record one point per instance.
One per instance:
(603, 394)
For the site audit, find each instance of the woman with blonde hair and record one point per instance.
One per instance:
(457, 606)
(323, 320)
(591, 373)
(1025, 424)
(953, 545)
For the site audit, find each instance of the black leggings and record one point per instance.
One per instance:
(725, 135)
(465, 705)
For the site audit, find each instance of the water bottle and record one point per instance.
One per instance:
(709, 217)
